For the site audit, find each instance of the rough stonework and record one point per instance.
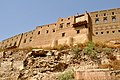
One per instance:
(99, 26)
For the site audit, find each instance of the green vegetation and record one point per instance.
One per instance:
(76, 50)
(107, 50)
(89, 50)
(61, 47)
(66, 76)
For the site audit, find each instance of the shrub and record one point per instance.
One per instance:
(89, 48)
(107, 51)
(66, 76)
(76, 50)
(61, 47)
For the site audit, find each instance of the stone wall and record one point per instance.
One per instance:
(13, 41)
(98, 26)
(61, 32)
(106, 25)
(96, 74)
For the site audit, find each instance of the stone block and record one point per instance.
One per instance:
(18, 65)
(6, 66)
(1, 54)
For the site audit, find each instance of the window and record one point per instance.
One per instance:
(118, 30)
(26, 34)
(61, 25)
(15, 44)
(105, 19)
(107, 32)
(96, 33)
(30, 39)
(24, 41)
(96, 15)
(48, 25)
(104, 14)
(61, 19)
(47, 31)
(5, 46)
(97, 20)
(10, 44)
(101, 32)
(112, 13)
(68, 24)
(68, 18)
(113, 19)
(38, 32)
(113, 31)
(53, 30)
(63, 34)
(78, 31)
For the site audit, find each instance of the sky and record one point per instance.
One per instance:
(19, 16)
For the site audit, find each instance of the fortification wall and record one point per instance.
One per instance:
(106, 25)
(61, 32)
(27, 39)
(13, 41)
(98, 26)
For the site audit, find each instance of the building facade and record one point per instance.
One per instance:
(99, 26)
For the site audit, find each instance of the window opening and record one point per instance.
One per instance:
(15, 44)
(96, 15)
(96, 32)
(63, 34)
(38, 32)
(61, 25)
(68, 24)
(97, 20)
(101, 32)
(47, 31)
(107, 31)
(118, 30)
(114, 19)
(24, 40)
(68, 18)
(113, 31)
(104, 14)
(78, 31)
(112, 13)
(53, 30)
(30, 39)
(105, 20)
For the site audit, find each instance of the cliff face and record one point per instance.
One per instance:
(40, 64)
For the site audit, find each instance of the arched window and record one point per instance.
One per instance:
(113, 19)
(97, 20)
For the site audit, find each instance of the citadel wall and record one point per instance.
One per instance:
(61, 32)
(98, 26)
(13, 41)
(106, 25)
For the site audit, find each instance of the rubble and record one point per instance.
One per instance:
(40, 64)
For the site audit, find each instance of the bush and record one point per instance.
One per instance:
(76, 50)
(61, 47)
(66, 76)
(89, 48)
(107, 51)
